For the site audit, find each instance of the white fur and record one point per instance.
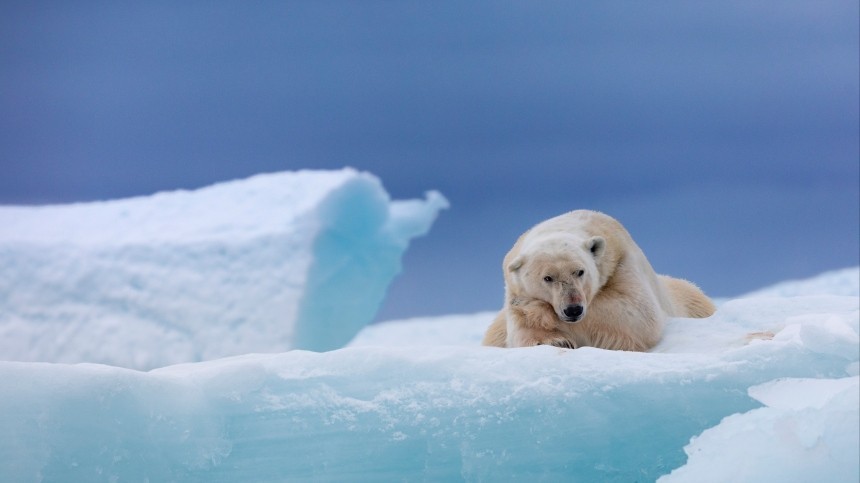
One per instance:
(588, 260)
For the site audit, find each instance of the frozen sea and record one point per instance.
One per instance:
(111, 373)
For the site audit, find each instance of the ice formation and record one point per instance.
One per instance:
(807, 431)
(266, 264)
(765, 390)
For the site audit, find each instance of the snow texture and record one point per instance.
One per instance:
(266, 264)
(765, 390)
(810, 429)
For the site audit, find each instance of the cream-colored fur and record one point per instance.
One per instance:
(585, 261)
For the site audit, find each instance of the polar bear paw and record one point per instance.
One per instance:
(558, 342)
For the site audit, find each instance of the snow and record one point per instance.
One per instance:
(419, 399)
(765, 390)
(838, 282)
(809, 427)
(465, 330)
(266, 264)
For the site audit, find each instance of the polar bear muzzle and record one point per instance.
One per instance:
(573, 313)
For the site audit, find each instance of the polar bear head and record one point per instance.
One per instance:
(560, 270)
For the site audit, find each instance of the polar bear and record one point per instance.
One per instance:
(579, 280)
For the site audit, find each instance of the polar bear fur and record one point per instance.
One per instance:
(579, 280)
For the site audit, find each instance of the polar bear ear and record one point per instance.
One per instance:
(596, 245)
(516, 263)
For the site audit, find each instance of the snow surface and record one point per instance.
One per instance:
(809, 430)
(266, 264)
(717, 400)
(764, 390)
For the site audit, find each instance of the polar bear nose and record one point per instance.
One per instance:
(573, 312)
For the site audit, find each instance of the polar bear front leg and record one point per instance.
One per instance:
(533, 337)
(534, 323)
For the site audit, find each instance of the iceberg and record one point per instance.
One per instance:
(266, 264)
(809, 430)
(221, 335)
(764, 390)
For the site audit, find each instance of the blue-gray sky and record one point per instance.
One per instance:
(724, 135)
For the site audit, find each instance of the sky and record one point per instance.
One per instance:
(725, 136)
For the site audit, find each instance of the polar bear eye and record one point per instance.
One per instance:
(547, 279)
(579, 273)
